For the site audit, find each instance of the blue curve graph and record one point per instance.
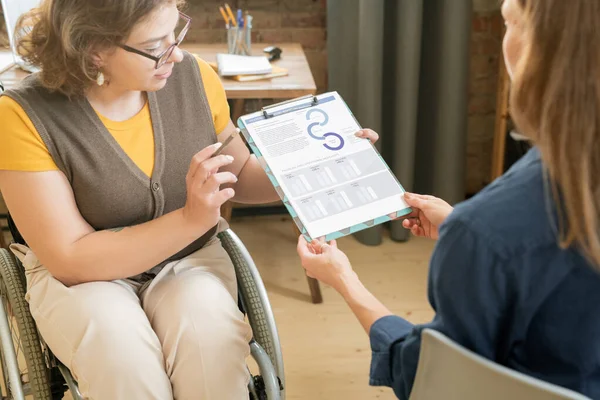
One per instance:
(325, 121)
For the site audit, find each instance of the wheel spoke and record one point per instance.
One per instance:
(4, 368)
(4, 377)
(17, 344)
(13, 333)
(17, 341)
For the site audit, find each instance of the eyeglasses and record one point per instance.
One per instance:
(181, 30)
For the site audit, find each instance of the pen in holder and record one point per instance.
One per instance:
(239, 31)
(239, 40)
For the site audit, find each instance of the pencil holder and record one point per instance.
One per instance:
(239, 40)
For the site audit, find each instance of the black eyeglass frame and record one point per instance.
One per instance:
(165, 55)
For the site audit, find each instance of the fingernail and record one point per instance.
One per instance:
(217, 145)
(230, 158)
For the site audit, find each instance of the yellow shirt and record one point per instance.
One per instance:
(22, 148)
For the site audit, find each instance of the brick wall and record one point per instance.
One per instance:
(301, 21)
(304, 21)
(485, 49)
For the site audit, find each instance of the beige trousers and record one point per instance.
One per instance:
(180, 336)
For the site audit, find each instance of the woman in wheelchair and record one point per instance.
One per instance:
(107, 167)
(515, 275)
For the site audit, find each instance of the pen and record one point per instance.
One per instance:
(224, 16)
(240, 19)
(230, 13)
(240, 38)
(226, 142)
(246, 33)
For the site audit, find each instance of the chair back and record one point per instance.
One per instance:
(448, 371)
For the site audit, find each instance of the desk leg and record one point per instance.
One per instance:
(315, 290)
(313, 284)
(239, 105)
(226, 211)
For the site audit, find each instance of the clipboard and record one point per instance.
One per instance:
(298, 104)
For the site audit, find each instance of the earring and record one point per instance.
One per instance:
(100, 79)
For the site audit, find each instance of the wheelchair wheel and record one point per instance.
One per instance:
(23, 367)
(254, 302)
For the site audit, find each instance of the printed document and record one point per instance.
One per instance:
(332, 179)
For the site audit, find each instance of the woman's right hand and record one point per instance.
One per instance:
(428, 214)
(203, 181)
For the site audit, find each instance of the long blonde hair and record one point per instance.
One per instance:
(555, 100)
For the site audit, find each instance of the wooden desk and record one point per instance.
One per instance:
(298, 83)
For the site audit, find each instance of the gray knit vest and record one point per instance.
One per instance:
(110, 189)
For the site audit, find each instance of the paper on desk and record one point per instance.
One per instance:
(231, 64)
(277, 72)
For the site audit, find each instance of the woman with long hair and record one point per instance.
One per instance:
(515, 275)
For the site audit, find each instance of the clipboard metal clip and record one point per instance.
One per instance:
(313, 98)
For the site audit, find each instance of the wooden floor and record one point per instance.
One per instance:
(326, 352)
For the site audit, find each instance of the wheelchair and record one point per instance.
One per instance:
(29, 369)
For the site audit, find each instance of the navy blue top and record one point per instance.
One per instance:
(502, 287)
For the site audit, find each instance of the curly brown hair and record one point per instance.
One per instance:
(61, 36)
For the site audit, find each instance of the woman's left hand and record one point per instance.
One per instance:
(368, 134)
(324, 262)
